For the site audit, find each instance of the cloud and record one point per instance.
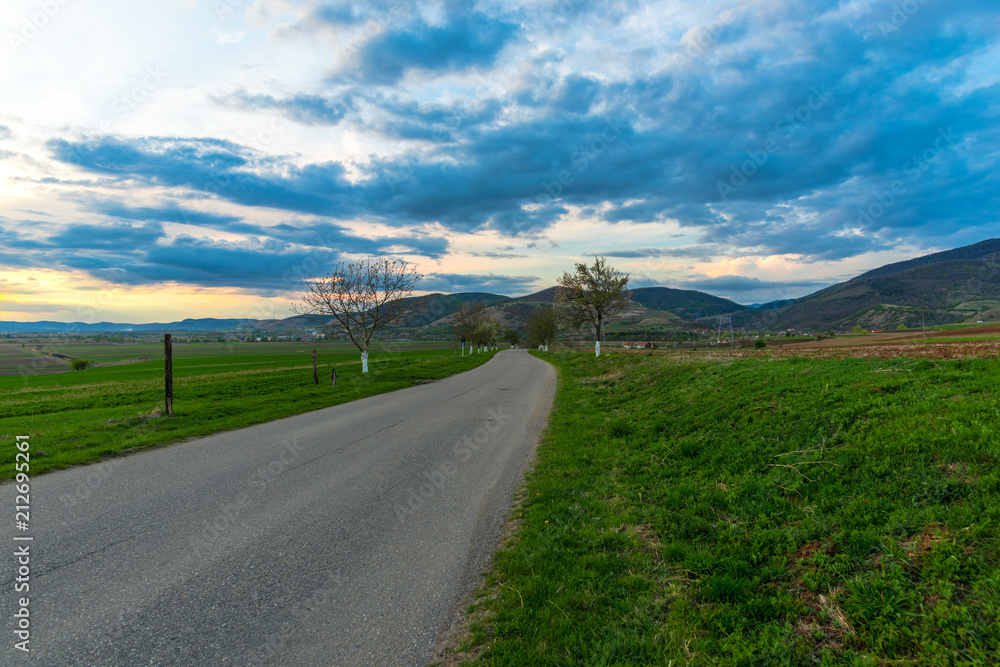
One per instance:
(454, 282)
(108, 236)
(306, 109)
(805, 130)
(216, 167)
(165, 213)
(260, 267)
(701, 251)
(133, 247)
(732, 283)
(465, 39)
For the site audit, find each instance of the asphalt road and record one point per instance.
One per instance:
(343, 536)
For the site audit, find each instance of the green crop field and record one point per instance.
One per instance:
(83, 416)
(754, 511)
(30, 360)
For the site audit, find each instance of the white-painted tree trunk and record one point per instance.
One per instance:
(364, 362)
(597, 347)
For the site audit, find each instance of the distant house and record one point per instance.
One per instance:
(637, 346)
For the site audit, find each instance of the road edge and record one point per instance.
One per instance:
(488, 535)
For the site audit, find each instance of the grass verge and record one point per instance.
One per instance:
(83, 417)
(755, 512)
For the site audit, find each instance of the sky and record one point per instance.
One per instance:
(163, 159)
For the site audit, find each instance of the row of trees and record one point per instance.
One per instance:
(361, 298)
(587, 297)
(476, 327)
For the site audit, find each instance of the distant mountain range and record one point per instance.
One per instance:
(204, 324)
(942, 288)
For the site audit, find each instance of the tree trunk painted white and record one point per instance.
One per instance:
(364, 362)
(597, 347)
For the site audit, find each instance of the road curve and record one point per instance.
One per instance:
(338, 537)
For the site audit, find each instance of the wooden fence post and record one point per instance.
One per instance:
(315, 371)
(168, 372)
(333, 377)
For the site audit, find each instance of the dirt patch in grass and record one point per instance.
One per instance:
(824, 623)
(959, 472)
(923, 543)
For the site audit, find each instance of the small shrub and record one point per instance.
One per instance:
(79, 364)
(759, 344)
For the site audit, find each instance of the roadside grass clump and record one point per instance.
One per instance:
(755, 511)
(83, 417)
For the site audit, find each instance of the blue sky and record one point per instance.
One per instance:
(198, 158)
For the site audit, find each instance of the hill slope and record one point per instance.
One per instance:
(686, 304)
(941, 288)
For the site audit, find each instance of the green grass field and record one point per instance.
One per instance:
(755, 511)
(84, 416)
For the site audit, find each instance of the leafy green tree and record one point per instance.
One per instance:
(488, 333)
(542, 327)
(590, 295)
(511, 337)
(78, 364)
(858, 330)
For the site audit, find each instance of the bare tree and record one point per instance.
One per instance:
(591, 294)
(361, 298)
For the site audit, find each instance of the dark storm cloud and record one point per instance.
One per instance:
(799, 128)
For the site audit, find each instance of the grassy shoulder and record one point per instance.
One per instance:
(755, 511)
(86, 416)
